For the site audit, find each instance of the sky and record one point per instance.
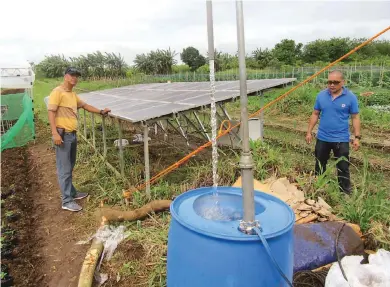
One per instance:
(29, 30)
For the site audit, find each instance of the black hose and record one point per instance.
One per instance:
(337, 252)
(268, 250)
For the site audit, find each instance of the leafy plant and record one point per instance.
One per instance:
(9, 213)
(3, 275)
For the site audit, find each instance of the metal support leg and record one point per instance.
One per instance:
(194, 126)
(181, 130)
(261, 115)
(146, 156)
(202, 126)
(104, 137)
(224, 111)
(85, 124)
(121, 159)
(161, 126)
(93, 129)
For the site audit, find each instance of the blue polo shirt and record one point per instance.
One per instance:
(334, 115)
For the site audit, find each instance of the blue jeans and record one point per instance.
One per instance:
(65, 161)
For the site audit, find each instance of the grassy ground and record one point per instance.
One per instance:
(283, 153)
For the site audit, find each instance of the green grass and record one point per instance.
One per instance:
(281, 155)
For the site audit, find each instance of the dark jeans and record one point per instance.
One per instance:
(322, 154)
(66, 160)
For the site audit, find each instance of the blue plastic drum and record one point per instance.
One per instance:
(205, 247)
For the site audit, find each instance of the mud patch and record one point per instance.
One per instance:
(131, 250)
(19, 233)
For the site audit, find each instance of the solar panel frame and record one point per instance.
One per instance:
(145, 102)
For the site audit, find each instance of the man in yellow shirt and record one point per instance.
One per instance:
(62, 109)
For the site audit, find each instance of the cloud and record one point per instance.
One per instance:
(75, 27)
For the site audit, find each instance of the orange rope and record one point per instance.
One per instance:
(222, 133)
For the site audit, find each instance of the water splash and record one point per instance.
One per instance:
(214, 153)
(217, 212)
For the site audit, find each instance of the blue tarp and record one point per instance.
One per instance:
(314, 244)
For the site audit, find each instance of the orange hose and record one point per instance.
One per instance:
(222, 133)
(222, 124)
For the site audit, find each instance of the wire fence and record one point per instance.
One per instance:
(365, 76)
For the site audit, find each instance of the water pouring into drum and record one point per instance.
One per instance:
(226, 236)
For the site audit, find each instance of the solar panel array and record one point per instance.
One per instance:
(151, 101)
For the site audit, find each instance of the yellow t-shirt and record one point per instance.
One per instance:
(65, 104)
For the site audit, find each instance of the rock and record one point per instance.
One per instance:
(307, 219)
(304, 214)
(322, 219)
(324, 212)
(310, 202)
(333, 217)
(315, 209)
(304, 207)
(284, 180)
(323, 203)
(293, 203)
(295, 192)
(297, 217)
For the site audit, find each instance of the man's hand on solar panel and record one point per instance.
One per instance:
(92, 109)
(105, 111)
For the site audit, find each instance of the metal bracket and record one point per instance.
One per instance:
(248, 227)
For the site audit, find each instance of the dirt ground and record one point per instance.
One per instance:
(47, 254)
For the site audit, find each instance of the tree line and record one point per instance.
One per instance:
(285, 53)
(96, 64)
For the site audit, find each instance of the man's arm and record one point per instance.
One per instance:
(92, 109)
(356, 124)
(356, 130)
(56, 136)
(89, 108)
(354, 110)
(54, 101)
(312, 122)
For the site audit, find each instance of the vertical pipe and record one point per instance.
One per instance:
(121, 159)
(146, 157)
(246, 162)
(104, 137)
(85, 124)
(210, 33)
(93, 130)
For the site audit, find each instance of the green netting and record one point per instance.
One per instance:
(17, 120)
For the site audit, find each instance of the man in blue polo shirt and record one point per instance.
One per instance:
(334, 106)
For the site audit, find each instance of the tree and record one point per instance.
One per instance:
(94, 64)
(262, 57)
(287, 51)
(316, 51)
(337, 47)
(53, 66)
(156, 62)
(192, 58)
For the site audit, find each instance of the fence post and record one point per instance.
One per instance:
(121, 158)
(104, 137)
(85, 124)
(93, 129)
(146, 157)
